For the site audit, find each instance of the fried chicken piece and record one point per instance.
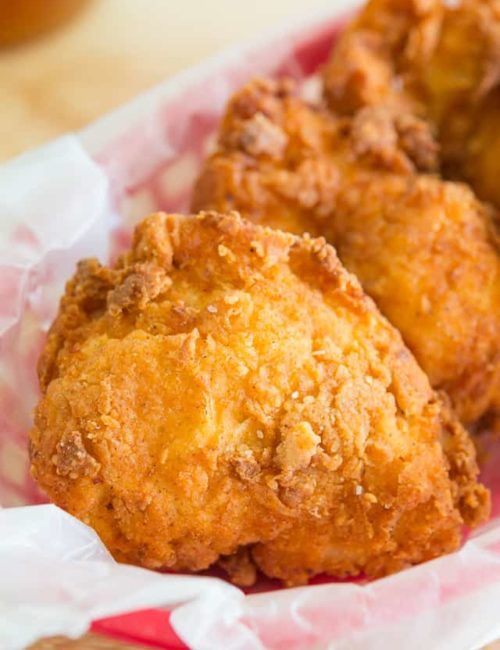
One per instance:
(438, 60)
(424, 249)
(228, 392)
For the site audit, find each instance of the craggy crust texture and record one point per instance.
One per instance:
(424, 249)
(437, 59)
(229, 392)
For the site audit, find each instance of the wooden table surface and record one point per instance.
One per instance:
(112, 50)
(87, 642)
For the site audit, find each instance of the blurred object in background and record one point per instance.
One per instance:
(110, 52)
(23, 19)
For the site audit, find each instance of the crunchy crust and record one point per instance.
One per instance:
(241, 398)
(440, 61)
(424, 249)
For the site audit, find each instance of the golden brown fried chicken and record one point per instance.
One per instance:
(228, 392)
(438, 60)
(424, 249)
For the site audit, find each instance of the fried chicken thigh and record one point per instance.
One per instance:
(438, 60)
(423, 248)
(228, 393)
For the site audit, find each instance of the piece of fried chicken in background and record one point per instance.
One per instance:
(439, 60)
(424, 249)
(229, 393)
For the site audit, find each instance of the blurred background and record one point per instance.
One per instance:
(65, 62)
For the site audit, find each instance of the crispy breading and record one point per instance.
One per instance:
(439, 60)
(423, 248)
(228, 392)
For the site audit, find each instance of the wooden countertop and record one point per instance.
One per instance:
(112, 50)
(87, 642)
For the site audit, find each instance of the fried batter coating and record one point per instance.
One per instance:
(424, 249)
(228, 392)
(439, 60)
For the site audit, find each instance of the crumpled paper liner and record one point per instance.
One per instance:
(54, 208)
(79, 196)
